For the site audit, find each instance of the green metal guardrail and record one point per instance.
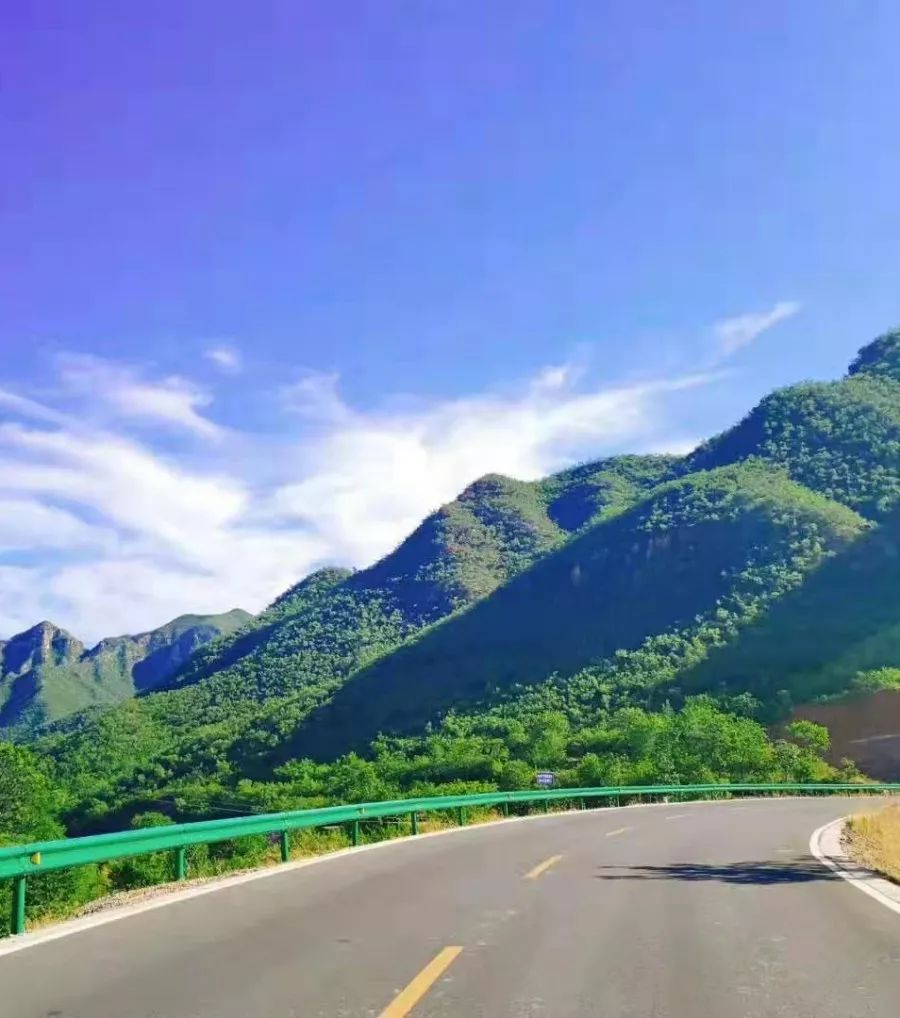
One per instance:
(18, 862)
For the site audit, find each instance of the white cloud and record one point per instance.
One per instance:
(119, 480)
(114, 534)
(315, 396)
(732, 334)
(559, 376)
(30, 409)
(371, 478)
(27, 524)
(226, 358)
(173, 401)
(24, 600)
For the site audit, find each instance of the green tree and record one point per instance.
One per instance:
(810, 735)
(29, 801)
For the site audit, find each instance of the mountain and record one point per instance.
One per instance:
(46, 673)
(335, 622)
(841, 438)
(723, 539)
(245, 693)
(759, 570)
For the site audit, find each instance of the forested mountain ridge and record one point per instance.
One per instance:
(46, 673)
(335, 621)
(838, 438)
(734, 537)
(523, 607)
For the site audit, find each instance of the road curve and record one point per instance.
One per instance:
(679, 911)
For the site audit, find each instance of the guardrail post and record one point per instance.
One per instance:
(285, 842)
(504, 806)
(461, 816)
(582, 804)
(413, 822)
(354, 833)
(180, 863)
(546, 805)
(17, 920)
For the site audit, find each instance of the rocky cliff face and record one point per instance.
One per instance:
(43, 644)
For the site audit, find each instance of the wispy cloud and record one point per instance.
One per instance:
(314, 395)
(115, 531)
(11, 402)
(226, 358)
(370, 478)
(126, 394)
(732, 334)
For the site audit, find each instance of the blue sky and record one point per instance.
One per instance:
(277, 279)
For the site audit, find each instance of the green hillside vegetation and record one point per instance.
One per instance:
(880, 358)
(838, 632)
(496, 528)
(841, 439)
(718, 543)
(595, 491)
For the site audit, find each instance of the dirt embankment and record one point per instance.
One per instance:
(865, 728)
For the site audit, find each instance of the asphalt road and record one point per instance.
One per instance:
(680, 911)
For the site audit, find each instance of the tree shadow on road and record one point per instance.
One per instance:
(798, 871)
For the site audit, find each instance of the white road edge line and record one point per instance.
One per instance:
(883, 891)
(10, 945)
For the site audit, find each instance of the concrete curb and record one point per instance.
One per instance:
(825, 844)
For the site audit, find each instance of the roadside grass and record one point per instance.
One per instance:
(874, 840)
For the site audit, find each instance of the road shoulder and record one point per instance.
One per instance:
(826, 845)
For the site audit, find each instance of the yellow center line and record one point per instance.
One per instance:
(618, 830)
(545, 865)
(407, 999)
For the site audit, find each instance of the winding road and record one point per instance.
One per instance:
(673, 911)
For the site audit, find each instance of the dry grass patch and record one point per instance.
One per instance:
(874, 840)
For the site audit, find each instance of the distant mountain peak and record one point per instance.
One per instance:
(44, 633)
(487, 485)
(46, 673)
(45, 626)
(44, 644)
